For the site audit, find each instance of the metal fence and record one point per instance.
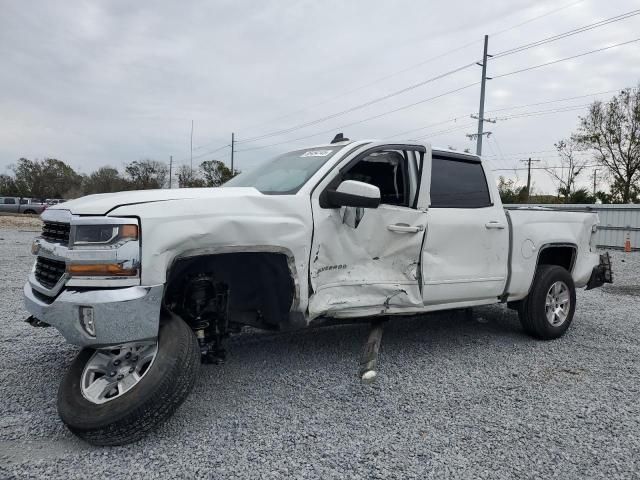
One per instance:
(617, 223)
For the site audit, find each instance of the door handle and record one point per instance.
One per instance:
(494, 225)
(404, 228)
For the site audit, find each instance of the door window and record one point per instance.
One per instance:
(387, 170)
(458, 184)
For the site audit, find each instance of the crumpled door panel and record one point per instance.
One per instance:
(368, 266)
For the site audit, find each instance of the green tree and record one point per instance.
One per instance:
(509, 193)
(147, 174)
(604, 197)
(216, 173)
(581, 195)
(49, 178)
(620, 194)
(8, 186)
(612, 131)
(104, 180)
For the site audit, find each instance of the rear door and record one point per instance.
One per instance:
(366, 261)
(466, 248)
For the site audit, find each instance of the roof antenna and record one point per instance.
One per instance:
(339, 138)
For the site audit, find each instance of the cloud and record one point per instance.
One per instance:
(97, 83)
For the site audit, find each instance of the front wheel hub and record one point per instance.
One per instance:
(112, 372)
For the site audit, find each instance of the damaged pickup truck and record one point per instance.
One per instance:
(150, 283)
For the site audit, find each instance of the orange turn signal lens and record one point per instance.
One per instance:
(129, 232)
(101, 270)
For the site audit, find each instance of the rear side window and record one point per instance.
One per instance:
(9, 201)
(458, 184)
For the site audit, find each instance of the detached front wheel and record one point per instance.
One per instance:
(548, 310)
(115, 396)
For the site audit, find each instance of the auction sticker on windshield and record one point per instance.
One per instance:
(316, 153)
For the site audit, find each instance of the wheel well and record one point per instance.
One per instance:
(561, 255)
(260, 284)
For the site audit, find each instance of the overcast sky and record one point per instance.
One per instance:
(105, 83)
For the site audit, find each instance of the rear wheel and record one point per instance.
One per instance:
(115, 396)
(548, 310)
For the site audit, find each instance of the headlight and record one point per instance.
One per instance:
(104, 252)
(104, 234)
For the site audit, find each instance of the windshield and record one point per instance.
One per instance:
(285, 174)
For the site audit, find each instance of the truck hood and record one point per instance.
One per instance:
(103, 203)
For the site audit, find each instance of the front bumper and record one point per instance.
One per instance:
(601, 273)
(120, 315)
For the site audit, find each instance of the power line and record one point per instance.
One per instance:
(458, 117)
(537, 18)
(534, 153)
(556, 100)
(442, 132)
(461, 47)
(539, 168)
(373, 117)
(566, 34)
(362, 87)
(566, 58)
(453, 119)
(546, 112)
(424, 82)
(204, 154)
(412, 67)
(360, 106)
(422, 101)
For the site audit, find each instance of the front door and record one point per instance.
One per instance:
(367, 261)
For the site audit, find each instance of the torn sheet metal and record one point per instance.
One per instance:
(366, 266)
(223, 220)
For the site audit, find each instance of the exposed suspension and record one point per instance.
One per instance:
(205, 306)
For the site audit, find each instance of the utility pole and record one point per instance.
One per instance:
(480, 117)
(529, 176)
(595, 173)
(192, 147)
(170, 168)
(482, 88)
(233, 146)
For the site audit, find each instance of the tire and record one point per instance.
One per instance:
(29, 212)
(161, 390)
(533, 312)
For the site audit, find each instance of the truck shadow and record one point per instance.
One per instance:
(439, 328)
(326, 355)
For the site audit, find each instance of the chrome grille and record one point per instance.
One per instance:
(48, 272)
(56, 232)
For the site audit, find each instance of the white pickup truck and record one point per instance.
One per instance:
(150, 283)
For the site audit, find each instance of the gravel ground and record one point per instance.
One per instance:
(456, 398)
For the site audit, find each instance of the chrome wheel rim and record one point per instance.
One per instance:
(112, 372)
(558, 304)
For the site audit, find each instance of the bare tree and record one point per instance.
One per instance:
(571, 167)
(612, 131)
(145, 174)
(188, 178)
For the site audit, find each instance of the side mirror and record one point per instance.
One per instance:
(352, 193)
